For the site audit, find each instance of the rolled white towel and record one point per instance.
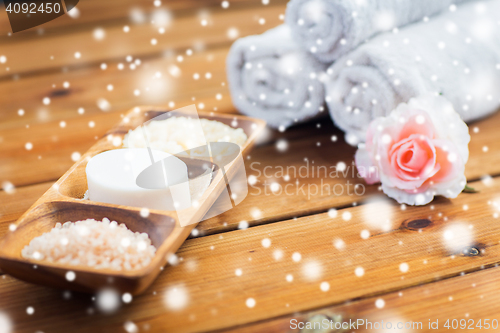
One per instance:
(456, 54)
(270, 77)
(331, 28)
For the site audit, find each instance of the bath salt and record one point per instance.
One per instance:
(178, 134)
(97, 244)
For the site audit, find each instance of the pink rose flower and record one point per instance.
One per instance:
(418, 151)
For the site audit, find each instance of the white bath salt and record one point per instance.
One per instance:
(169, 135)
(96, 244)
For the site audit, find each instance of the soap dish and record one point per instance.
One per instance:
(63, 202)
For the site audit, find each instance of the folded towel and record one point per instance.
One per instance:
(331, 28)
(270, 77)
(456, 54)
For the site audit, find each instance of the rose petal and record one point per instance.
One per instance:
(450, 161)
(403, 197)
(366, 168)
(405, 178)
(417, 122)
(419, 149)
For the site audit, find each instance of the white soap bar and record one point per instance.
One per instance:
(112, 176)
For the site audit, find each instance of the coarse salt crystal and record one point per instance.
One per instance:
(98, 244)
(169, 135)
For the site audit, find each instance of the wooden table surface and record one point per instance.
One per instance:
(86, 100)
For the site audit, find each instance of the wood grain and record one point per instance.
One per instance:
(88, 85)
(52, 148)
(469, 299)
(95, 13)
(216, 297)
(55, 52)
(207, 264)
(19, 201)
(306, 197)
(55, 162)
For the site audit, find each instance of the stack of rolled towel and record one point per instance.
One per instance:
(363, 57)
(271, 77)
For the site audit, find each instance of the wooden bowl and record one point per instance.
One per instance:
(62, 203)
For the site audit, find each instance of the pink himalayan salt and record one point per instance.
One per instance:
(96, 244)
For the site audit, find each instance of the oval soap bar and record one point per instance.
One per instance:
(112, 178)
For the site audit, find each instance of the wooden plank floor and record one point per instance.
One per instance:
(320, 242)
